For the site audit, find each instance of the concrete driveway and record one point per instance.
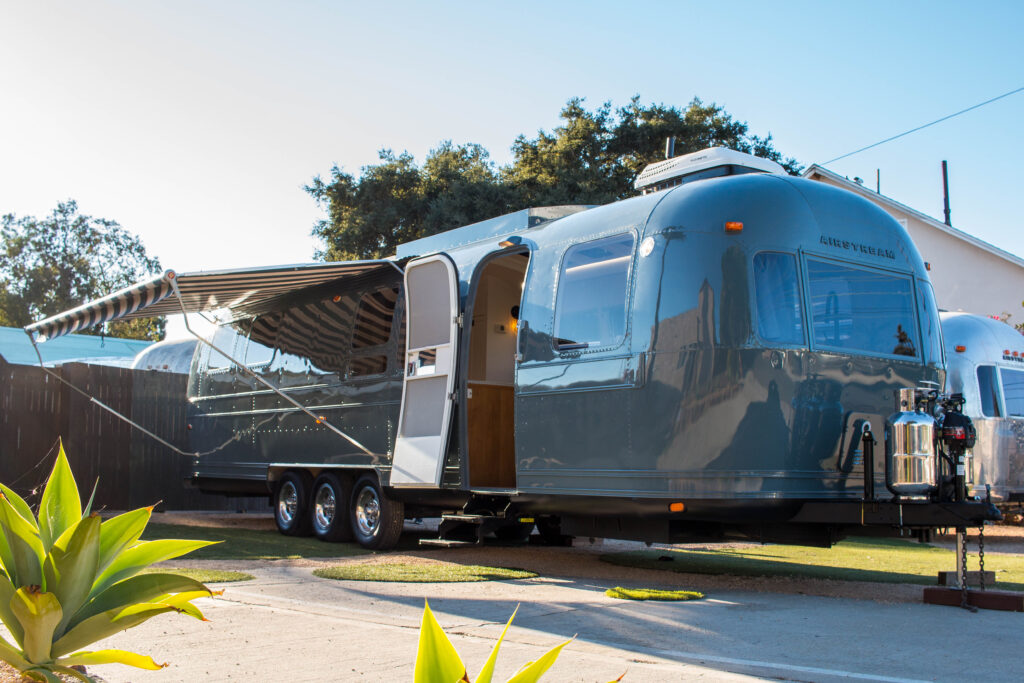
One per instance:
(290, 625)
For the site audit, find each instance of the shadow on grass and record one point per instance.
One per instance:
(875, 560)
(249, 544)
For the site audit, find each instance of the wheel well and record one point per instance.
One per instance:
(276, 471)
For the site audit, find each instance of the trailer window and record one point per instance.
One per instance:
(776, 287)
(1013, 391)
(861, 310)
(989, 390)
(374, 316)
(590, 309)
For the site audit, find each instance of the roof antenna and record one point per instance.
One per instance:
(945, 193)
(670, 147)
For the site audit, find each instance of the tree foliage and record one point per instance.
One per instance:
(592, 157)
(55, 263)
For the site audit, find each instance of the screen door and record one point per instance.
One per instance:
(431, 290)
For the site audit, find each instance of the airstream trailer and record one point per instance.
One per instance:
(985, 363)
(715, 359)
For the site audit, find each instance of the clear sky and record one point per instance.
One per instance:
(195, 124)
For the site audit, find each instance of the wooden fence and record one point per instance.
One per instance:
(133, 469)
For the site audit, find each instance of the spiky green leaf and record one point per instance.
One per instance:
(24, 549)
(487, 672)
(112, 621)
(141, 588)
(102, 626)
(120, 533)
(20, 505)
(71, 567)
(41, 674)
(436, 658)
(131, 561)
(12, 655)
(7, 591)
(532, 671)
(110, 657)
(61, 505)
(39, 614)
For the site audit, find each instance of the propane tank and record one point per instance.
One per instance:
(958, 435)
(910, 457)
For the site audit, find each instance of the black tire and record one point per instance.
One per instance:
(291, 504)
(376, 519)
(516, 532)
(329, 508)
(550, 530)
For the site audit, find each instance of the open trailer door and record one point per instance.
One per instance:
(432, 307)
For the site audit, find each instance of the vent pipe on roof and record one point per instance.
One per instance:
(670, 147)
(945, 192)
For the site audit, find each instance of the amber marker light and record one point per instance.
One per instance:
(960, 348)
(733, 226)
(676, 507)
(336, 298)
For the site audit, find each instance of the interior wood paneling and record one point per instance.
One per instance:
(491, 436)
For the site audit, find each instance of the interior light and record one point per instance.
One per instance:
(733, 226)
(676, 507)
(960, 348)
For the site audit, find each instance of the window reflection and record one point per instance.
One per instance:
(592, 290)
(1013, 391)
(776, 287)
(861, 310)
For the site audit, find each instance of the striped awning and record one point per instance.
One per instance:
(243, 290)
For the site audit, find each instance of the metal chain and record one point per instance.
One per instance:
(981, 554)
(964, 590)
(963, 570)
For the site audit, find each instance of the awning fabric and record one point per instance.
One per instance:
(240, 290)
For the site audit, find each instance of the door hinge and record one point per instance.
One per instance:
(453, 396)
(458, 320)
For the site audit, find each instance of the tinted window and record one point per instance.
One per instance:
(861, 310)
(592, 291)
(374, 317)
(776, 287)
(989, 390)
(1013, 391)
(932, 331)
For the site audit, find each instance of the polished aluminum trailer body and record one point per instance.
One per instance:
(985, 361)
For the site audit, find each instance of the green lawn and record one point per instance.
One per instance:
(427, 572)
(878, 560)
(249, 544)
(204, 575)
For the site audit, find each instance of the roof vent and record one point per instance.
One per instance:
(707, 163)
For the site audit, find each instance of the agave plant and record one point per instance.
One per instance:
(438, 662)
(68, 579)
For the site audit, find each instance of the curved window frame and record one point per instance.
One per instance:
(799, 283)
(908, 276)
(584, 347)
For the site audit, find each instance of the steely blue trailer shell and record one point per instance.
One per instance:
(691, 405)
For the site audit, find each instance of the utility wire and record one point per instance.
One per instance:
(914, 130)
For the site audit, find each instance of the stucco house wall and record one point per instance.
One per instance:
(968, 274)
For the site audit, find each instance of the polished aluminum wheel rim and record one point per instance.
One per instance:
(324, 507)
(368, 511)
(287, 503)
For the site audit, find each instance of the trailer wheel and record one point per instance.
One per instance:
(516, 532)
(329, 508)
(376, 519)
(291, 504)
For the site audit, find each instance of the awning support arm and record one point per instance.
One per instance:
(261, 380)
(100, 403)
